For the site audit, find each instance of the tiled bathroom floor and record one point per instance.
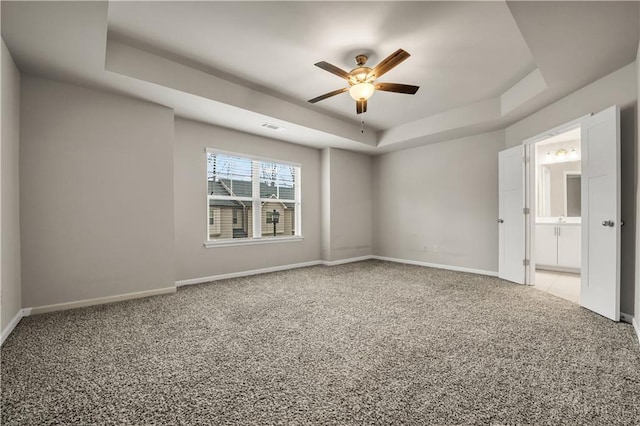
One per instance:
(561, 284)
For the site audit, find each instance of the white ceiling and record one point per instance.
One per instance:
(461, 52)
(240, 64)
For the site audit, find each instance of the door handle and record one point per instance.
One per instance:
(608, 223)
(500, 221)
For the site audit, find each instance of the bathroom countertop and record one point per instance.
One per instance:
(555, 221)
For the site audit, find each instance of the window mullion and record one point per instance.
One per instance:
(298, 202)
(255, 193)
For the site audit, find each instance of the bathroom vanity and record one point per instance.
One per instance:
(558, 212)
(558, 244)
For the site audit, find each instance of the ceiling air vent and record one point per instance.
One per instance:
(272, 127)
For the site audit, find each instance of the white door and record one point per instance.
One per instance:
(511, 224)
(600, 283)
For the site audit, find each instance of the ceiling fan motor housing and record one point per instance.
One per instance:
(361, 75)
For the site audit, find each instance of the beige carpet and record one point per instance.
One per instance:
(365, 343)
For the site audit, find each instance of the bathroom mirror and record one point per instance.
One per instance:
(558, 189)
(572, 194)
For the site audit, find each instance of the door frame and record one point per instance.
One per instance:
(530, 191)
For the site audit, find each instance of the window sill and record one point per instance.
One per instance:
(252, 241)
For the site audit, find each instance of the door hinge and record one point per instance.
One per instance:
(526, 210)
(525, 262)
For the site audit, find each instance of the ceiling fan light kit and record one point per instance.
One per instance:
(361, 91)
(361, 79)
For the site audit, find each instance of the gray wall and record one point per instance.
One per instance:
(628, 165)
(325, 187)
(439, 203)
(637, 246)
(617, 88)
(195, 261)
(96, 176)
(99, 171)
(10, 289)
(347, 189)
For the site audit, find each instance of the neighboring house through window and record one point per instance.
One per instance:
(251, 198)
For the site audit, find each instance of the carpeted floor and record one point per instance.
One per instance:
(364, 343)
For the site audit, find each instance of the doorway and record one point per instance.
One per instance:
(556, 214)
(600, 221)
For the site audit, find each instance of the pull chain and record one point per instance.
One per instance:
(362, 131)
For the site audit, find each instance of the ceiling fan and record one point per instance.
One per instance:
(361, 79)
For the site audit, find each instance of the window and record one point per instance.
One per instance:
(251, 199)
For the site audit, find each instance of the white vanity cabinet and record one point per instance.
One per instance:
(546, 245)
(558, 245)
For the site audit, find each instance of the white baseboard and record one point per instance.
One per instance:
(437, 265)
(557, 269)
(79, 304)
(12, 324)
(349, 260)
(636, 327)
(328, 263)
(269, 269)
(247, 273)
(97, 301)
(630, 319)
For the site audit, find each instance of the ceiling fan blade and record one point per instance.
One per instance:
(389, 62)
(333, 69)
(361, 106)
(397, 88)
(327, 95)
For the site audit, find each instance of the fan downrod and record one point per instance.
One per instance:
(361, 60)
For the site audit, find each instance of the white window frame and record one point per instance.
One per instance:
(256, 202)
